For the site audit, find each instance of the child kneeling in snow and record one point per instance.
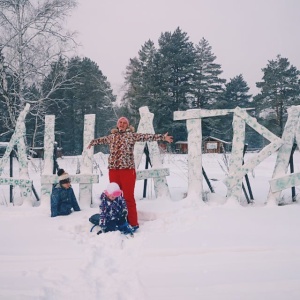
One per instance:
(63, 199)
(113, 210)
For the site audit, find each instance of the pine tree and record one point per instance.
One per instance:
(207, 85)
(280, 89)
(175, 62)
(91, 94)
(139, 81)
(161, 79)
(236, 93)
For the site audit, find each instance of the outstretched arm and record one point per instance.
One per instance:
(102, 140)
(168, 138)
(144, 137)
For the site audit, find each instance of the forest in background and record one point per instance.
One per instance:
(37, 67)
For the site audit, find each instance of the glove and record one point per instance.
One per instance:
(125, 228)
(124, 214)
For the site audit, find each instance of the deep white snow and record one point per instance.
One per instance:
(182, 250)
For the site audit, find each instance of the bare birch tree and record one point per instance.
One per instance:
(32, 37)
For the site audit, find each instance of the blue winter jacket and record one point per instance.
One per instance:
(112, 210)
(62, 201)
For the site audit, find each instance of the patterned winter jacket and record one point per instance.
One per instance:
(121, 146)
(62, 201)
(111, 210)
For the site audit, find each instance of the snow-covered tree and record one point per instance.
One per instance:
(32, 36)
(6, 93)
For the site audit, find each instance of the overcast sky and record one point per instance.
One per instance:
(244, 35)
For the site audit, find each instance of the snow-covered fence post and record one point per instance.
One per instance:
(46, 188)
(17, 138)
(158, 173)
(237, 170)
(194, 129)
(85, 189)
(280, 180)
(236, 158)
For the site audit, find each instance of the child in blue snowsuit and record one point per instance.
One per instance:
(63, 198)
(113, 210)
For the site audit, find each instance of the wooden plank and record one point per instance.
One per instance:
(198, 113)
(15, 182)
(285, 182)
(152, 173)
(80, 178)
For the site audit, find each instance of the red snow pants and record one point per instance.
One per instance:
(126, 178)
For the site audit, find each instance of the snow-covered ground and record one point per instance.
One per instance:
(214, 251)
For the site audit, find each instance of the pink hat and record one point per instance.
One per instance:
(113, 189)
(123, 119)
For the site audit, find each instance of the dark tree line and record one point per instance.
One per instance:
(178, 75)
(175, 75)
(71, 90)
(86, 91)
